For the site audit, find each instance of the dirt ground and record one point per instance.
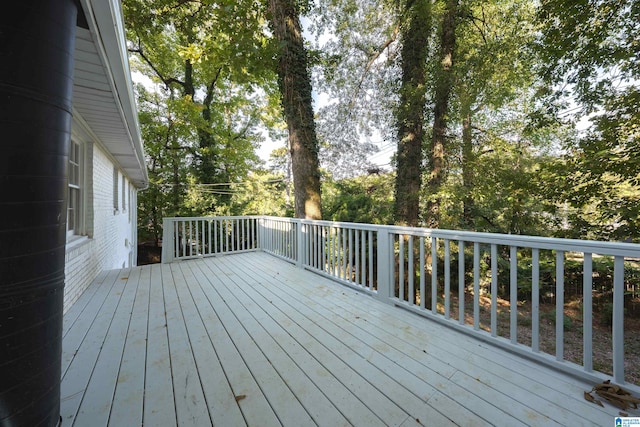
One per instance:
(149, 254)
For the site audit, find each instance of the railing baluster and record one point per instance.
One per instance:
(494, 290)
(411, 273)
(587, 313)
(423, 290)
(401, 268)
(461, 288)
(351, 255)
(336, 250)
(434, 275)
(447, 278)
(363, 258)
(392, 264)
(184, 238)
(176, 238)
(370, 259)
(332, 245)
(356, 256)
(197, 242)
(342, 269)
(323, 248)
(221, 235)
(618, 319)
(535, 300)
(476, 286)
(559, 305)
(242, 234)
(513, 291)
(318, 243)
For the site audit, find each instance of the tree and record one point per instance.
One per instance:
(295, 88)
(436, 157)
(167, 163)
(494, 67)
(411, 110)
(212, 61)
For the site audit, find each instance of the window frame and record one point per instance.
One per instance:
(116, 190)
(76, 189)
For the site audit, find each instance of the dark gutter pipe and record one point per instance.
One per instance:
(37, 39)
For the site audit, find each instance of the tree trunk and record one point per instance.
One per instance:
(410, 114)
(295, 88)
(444, 83)
(467, 168)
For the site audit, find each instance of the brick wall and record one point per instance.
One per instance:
(110, 235)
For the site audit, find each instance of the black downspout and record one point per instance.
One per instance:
(37, 40)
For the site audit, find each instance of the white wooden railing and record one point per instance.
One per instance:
(429, 272)
(186, 238)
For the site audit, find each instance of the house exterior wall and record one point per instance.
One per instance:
(108, 239)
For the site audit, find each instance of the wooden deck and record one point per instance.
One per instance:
(249, 339)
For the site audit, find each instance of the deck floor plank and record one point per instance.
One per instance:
(306, 377)
(249, 339)
(379, 389)
(159, 404)
(548, 398)
(77, 376)
(251, 400)
(341, 397)
(129, 394)
(381, 355)
(82, 318)
(191, 407)
(74, 312)
(97, 403)
(283, 401)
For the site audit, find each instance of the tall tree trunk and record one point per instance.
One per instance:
(467, 167)
(295, 88)
(410, 114)
(444, 83)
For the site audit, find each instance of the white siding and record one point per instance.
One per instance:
(111, 236)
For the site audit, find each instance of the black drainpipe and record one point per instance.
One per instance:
(37, 39)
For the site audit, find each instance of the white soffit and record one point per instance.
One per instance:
(102, 90)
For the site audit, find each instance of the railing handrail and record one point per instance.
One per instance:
(628, 250)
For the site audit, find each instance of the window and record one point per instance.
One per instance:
(115, 190)
(74, 204)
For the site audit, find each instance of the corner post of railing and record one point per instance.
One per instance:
(300, 243)
(384, 293)
(260, 234)
(167, 241)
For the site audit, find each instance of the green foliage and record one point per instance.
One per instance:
(589, 51)
(366, 199)
(211, 69)
(516, 162)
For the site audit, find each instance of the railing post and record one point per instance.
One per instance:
(300, 244)
(167, 241)
(384, 263)
(260, 236)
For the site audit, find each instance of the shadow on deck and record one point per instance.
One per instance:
(249, 339)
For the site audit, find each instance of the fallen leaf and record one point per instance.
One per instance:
(590, 398)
